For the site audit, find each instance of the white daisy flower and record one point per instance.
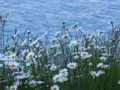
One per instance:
(53, 67)
(30, 56)
(1, 65)
(105, 54)
(72, 65)
(103, 58)
(85, 55)
(76, 57)
(64, 72)
(90, 64)
(73, 43)
(55, 87)
(14, 87)
(99, 65)
(93, 74)
(12, 65)
(61, 77)
(99, 73)
(118, 82)
(34, 83)
(103, 66)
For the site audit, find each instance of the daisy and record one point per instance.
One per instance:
(119, 82)
(85, 55)
(103, 66)
(72, 65)
(103, 58)
(53, 67)
(55, 87)
(100, 73)
(30, 55)
(76, 57)
(34, 83)
(12, 65)
(73, 43)
(61, 77)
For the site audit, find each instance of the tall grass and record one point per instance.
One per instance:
(73, 60)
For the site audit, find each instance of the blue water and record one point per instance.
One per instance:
(46, 15)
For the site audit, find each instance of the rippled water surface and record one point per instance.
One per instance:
(47, 15)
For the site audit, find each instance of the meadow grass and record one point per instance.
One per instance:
(73, 60)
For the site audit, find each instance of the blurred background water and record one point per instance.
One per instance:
(47, 15)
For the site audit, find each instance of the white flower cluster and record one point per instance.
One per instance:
(118, 82)
(55, 87)
(72, 65)
(30, 56)
(102, 66)
(12, 65)
(21, 75)
(53, 67)
(34, 83)
(61, 77)
(76, 57)
(103, 58)
(95, 74)
(73, 43)
(85, 55)
(13, 87)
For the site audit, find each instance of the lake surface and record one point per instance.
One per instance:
(47, 15)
